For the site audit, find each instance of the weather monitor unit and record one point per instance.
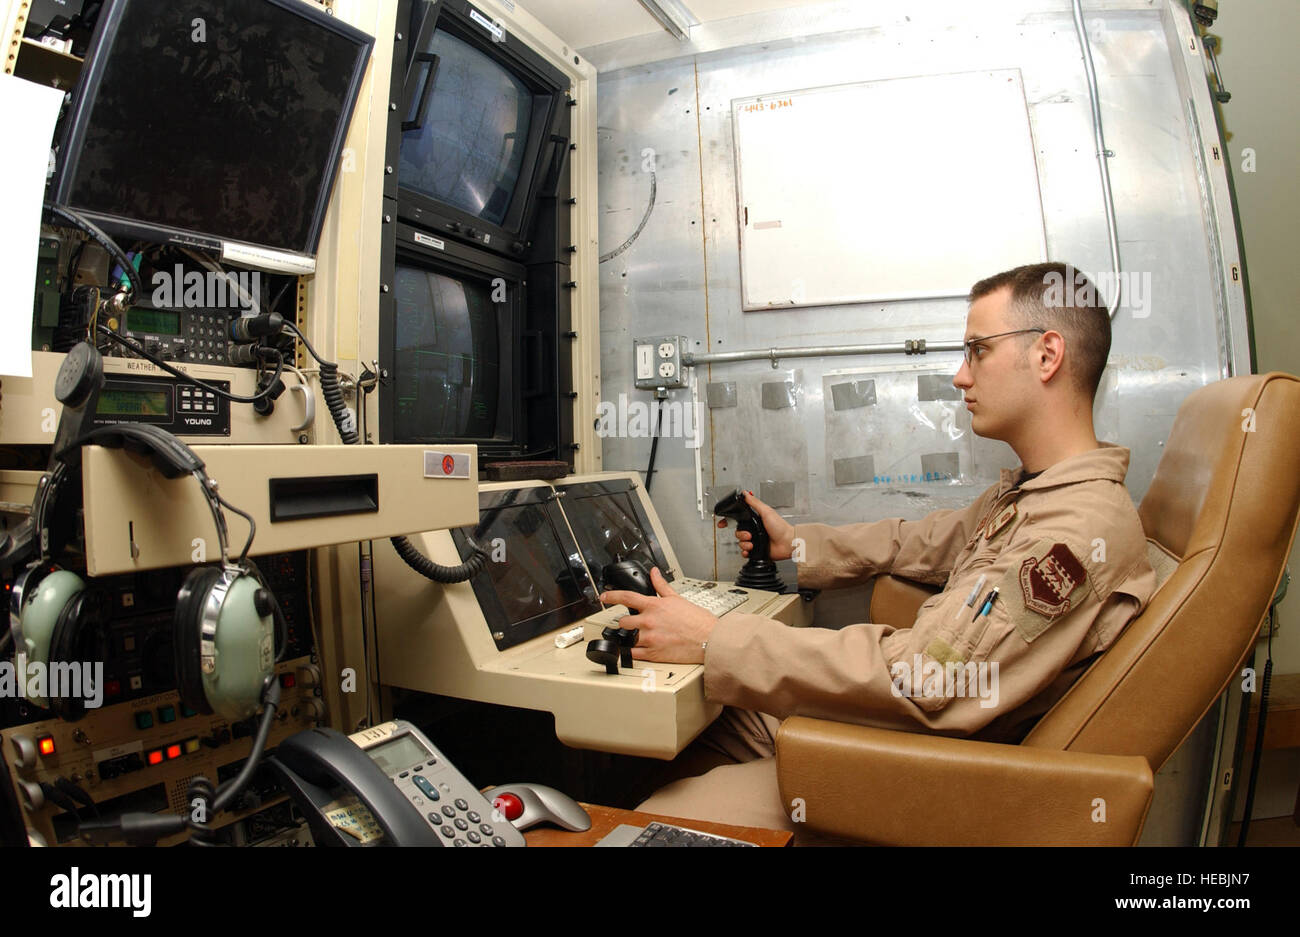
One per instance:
(482, 132)
(215, 124)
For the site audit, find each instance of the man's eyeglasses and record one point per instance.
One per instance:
(974, 351)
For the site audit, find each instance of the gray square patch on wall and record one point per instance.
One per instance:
(940, 466)
(936, 387)
(720, 394)
(778, 395)
(853, 394)
(857, 470)
(777, 494)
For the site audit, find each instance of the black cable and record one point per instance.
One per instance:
(438, 573)
(77, 793)
(74, 263)
(133, 275)
(235, 786)
(333, 394)
(61, 800)
(274, 304)
(291, 327)
(176, 372)
(365, 632)
(654, 447)
(366, 567)
(1258, 753)
(252, 525)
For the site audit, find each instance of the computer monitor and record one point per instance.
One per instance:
(483, 127)
(453, 346)
(610, 525)
(539, 583)
(215, 124)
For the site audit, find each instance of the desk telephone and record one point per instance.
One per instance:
(390, 785)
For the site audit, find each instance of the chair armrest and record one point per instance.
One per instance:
(896, 601)
(907, 788)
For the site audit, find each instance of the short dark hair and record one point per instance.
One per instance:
(1058, 297)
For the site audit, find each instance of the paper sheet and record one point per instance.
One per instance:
(24, 160)
(351, 816)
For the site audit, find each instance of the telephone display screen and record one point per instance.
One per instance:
(398, 754)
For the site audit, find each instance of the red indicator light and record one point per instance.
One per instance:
(174, 751)
(46, 744)
(155, 757)
(288, 680)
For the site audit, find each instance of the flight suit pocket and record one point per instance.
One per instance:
(945, 664)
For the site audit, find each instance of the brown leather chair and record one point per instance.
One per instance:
(1220, 517)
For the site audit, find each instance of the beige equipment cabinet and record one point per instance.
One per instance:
(339, 308)
(435, 639)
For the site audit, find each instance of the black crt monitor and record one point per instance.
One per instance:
(483, 127)
(216, 124)
(535, 582)
(611, 525)
(453, 344)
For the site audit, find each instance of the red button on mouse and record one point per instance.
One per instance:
(510, 806)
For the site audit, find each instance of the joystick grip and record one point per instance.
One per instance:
(759, 572)
(735, 507)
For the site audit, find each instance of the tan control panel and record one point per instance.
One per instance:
(140, 756)
(437, 639)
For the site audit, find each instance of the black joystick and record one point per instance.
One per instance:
(760, 571)
(628, 576)
(614, 646)
(626, 639)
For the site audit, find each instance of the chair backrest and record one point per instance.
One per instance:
(1223, 505)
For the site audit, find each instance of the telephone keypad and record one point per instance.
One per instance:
(435, 780)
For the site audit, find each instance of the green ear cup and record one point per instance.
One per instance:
(40, 615)
(187, 621)
(243, 651)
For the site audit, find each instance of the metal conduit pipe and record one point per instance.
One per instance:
(917, 346)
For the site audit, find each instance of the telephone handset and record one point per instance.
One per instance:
(387, 785)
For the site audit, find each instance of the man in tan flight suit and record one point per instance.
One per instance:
(1058, 538)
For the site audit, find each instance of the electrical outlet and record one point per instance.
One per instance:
(659, 362)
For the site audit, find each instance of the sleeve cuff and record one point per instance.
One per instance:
(722, 658)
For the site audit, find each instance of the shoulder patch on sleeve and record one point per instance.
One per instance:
(1049, 581)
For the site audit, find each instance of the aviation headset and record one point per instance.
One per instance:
(223, 629)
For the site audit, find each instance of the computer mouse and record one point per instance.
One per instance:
(525, 805)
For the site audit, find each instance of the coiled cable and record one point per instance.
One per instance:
(436, 572)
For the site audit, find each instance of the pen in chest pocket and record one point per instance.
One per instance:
(974, 594)
(987, 606)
